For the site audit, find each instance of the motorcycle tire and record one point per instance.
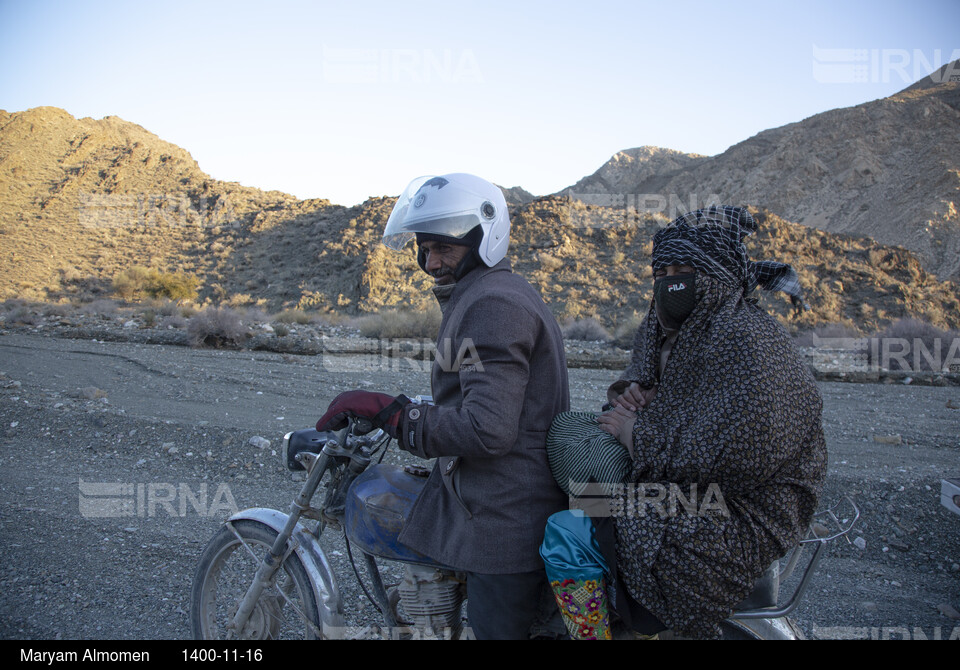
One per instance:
(286, 610)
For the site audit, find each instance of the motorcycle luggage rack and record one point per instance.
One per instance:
(822, 535)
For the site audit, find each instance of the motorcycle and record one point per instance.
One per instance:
(265, 576)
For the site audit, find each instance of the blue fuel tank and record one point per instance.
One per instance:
(378, 503)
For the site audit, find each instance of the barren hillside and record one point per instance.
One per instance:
(888, 169)
(81, 200)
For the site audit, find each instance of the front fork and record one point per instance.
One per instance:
(266, 573)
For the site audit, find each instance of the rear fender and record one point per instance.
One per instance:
(779, 628)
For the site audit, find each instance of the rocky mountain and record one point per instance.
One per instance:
(516, 195)
(887, 169)
(82, 200)
(629, 168)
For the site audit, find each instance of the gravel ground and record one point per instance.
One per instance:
(174, 421)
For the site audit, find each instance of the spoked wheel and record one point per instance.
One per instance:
(287, 609)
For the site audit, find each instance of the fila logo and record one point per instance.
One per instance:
(676, 287)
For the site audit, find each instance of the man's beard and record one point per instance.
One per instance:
(442, 272)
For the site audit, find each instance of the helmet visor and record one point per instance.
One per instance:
(418, 210)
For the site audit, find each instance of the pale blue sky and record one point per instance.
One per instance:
(344, 100)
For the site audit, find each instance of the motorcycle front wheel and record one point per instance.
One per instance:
(286, 610)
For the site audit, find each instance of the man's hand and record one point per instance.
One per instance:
(619, 423)
(635, 397)
(382, 410)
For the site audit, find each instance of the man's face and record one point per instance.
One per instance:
(442, 258)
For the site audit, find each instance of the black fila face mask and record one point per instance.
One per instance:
(674, 298)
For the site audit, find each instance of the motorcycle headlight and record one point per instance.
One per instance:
(308, 439)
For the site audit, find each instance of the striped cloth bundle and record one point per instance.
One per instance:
(580, 452)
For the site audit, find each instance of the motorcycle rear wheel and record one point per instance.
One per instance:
(285, 610)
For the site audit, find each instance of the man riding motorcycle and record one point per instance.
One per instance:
(500, 380)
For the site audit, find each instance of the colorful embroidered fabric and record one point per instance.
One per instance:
(577, 570)
(583, 604)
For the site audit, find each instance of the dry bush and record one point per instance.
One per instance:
(102, 308)
(293, 316)
(587, 330)
(164, 307)
(331, 318)
(20, 312)
(13, 303)
(255, 315)
(139, 282)
(57, 309)
(174, 321)
(218, 328)
(396, 324)
(241, 300)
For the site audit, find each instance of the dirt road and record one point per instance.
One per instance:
(174, 424)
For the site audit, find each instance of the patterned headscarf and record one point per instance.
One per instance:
(711, 240)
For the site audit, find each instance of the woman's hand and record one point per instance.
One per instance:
(634, 397)
(619, 423)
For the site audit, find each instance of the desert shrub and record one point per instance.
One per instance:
(173, 321)
(240, 300)
(101, 308)
(176, 286)
(130, 284)
(588, 330)
(331, 318)
(57, 309)
(254, 315)
(164, 307)
(12, 304)
(139, 282)
(281, 330)
(217, 327)
(293, 316)
(21, 312)
(393, 324)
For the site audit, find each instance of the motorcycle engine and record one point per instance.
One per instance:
(432, 600)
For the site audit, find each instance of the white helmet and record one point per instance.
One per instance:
(452, 206)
